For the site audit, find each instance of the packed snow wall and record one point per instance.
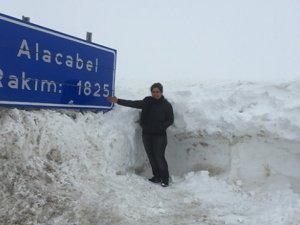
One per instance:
(250, 159)
(56, 161)
(243, 131)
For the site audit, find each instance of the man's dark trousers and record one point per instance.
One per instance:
(155, 146)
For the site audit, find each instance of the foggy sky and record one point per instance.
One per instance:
(177, 40)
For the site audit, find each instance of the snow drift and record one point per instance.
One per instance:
(233, 153)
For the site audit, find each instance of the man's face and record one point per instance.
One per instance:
(156, 93)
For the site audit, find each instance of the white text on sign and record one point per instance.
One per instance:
(59, 58)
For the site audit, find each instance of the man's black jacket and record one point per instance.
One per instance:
(157, 115)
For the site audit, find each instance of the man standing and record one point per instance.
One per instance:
(157, 115)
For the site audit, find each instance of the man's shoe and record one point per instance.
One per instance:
(164, 183)
(154, 180)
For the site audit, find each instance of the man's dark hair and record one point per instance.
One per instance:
(157, 85)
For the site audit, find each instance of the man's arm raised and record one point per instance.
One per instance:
(138, 104)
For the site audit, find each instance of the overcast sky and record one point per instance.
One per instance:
(191, 39)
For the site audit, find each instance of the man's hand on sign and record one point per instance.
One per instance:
(112, 99)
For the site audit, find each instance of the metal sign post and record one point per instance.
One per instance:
(26, 19)
(41, 67)
(89, 36)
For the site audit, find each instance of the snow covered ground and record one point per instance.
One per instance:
(233, 153)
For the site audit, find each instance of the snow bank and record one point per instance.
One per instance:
(68, 167)
(242, 130)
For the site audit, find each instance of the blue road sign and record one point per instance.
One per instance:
(41, 67)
